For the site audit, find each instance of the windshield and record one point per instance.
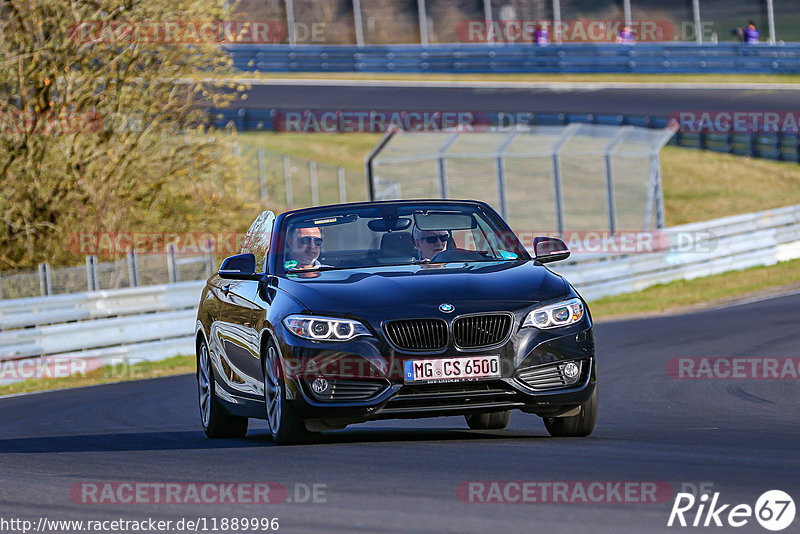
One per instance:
(394, 234)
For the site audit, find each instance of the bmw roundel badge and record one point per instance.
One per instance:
(446, 308)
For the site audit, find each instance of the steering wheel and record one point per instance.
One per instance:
(458, 254)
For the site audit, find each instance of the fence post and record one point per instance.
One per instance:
(626, 8)
(500, 166)
(557, 20)
(1, 286)
(290, 21)
(172, 265)
(133, 268)
(558, 196)
(610, 201)
(342, 186)
(697, 28)
(210, 263)
(369, 171)
(358, 22)
(287, 178)
(442, 170)
(92, 283)
(312, 178)
(487, 20)
(262, 179)
(45, 286)
(423, 22)
(771, 22)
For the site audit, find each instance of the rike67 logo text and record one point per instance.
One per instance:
(774, 510)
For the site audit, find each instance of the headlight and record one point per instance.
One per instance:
(324, 328)
(555, 315)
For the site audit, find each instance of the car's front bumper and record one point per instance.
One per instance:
(374, 363)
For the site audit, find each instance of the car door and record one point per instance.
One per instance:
(234, 330)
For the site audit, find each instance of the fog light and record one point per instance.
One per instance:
(319, 385)
(571, 371)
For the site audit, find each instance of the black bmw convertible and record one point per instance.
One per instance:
(342, 314)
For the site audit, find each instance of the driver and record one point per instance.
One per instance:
(429, 242)
(304, 246)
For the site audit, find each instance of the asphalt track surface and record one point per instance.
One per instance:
(652, 101)
(401, 476)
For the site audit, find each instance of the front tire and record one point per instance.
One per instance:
(217, 422)
(285, 426)
(488, 420)
(575, 426)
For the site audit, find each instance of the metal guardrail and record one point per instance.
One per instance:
(97, 328)
(664, 57)
(156, 322)
(694, 250)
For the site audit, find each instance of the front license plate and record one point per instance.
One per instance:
(452, 369)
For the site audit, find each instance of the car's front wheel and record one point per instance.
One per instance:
(577, 426)
(488, 420)
(283, 422)
(217, 423)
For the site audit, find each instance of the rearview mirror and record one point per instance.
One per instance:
(547, 249)
(240, 267)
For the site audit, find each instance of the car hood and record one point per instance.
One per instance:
(419, 289)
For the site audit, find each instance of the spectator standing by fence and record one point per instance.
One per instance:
(625, 36)
(541, 36)
(751, 34)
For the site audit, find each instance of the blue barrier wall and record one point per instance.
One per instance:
(516, 58)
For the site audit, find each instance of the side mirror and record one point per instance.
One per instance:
(547, 249)
(240, 267)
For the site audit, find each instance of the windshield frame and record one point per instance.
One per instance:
(287, 219)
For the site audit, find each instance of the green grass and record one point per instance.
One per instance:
(701, 185)
(527, 77)
(107, 375)
(708, 290)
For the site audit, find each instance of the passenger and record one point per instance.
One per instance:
(304, 246)
(429, 243)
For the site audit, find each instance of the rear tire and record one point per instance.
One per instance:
(285, 426)
(216, 421)
(488, 420)
(575, 426)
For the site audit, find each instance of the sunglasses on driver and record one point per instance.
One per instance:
(307, 240)
(434, 238)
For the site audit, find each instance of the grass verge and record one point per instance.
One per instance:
(662, 298)
(106, 375)
(700, 292)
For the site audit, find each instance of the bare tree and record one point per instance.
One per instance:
(103, 122)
